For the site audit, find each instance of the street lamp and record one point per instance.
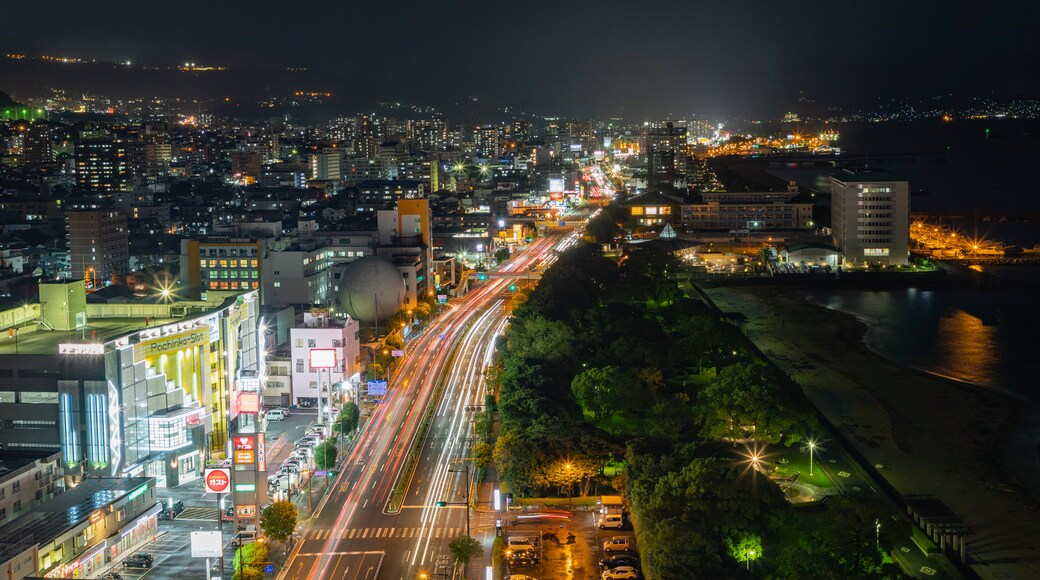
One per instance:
(812, 447)
(750, 554)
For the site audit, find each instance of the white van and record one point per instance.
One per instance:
(275, 415)
(246, 537)
(614, 521)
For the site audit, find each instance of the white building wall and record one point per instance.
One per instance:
(307, 382)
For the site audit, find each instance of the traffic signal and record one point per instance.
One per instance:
(441, 503)
(482, 276)
(512, 287)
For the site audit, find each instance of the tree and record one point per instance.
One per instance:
(596, 390)
(482, 454)
(348, 418)
(376, 370)
(249, 561)
(325, 455)
(423, 310)
(748, 400)
(465, 548)
(279, 520)
(537, 337)
(502, 255)
(393, 341)
(744, 547)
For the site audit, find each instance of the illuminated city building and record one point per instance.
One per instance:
(103, 164)
(139, 387)
(870, 217)
(99, 244)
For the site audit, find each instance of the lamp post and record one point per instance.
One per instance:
(750, 554)
(812, 447)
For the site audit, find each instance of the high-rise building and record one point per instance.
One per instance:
(245, 165)
(103, 165)
(666, 152)
(99, 244)
(870, 217)
(38, 147)
(328, 165)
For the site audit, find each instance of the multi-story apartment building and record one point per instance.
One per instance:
(27, 479)
(870, 217)
(221, 264)
(99, 244)
(104, 165)
(765, 210)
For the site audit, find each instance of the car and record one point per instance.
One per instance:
(521, 577)
(617, 544)
(620, 573)
(519, 543)
(139, 560)
(282, 410)
(168, 513)
(611, 562)
(522, 557)
(292, 468)
(615, 521)
(275, 415)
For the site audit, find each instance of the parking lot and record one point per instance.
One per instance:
(568, 548)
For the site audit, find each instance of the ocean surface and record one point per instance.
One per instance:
(985, 336)
(981, 336)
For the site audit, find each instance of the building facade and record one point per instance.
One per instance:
(152, 401)
(27, 480)
(98, 242)
(311, 386)
(870, 218)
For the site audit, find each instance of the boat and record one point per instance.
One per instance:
(1034, 250)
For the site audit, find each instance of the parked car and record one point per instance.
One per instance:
(276, 415)
(620, 573)
(246, 536)
(168, 513)
(282, 410)
(139, 560)
(617, 544)
(615, 521)
(611, 562)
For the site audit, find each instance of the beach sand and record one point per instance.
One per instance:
(971, 447)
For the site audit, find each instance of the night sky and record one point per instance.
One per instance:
(635, 59)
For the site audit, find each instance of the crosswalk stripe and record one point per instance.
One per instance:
(352, 532)
(365, 533)
(437, 533)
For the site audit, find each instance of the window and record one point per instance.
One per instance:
(16, 487)
(311, 343)
(26, 424)
(277, 284)
(299, 365)
(26, 397)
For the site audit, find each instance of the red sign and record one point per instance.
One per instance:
(218, 480)
(243, 442)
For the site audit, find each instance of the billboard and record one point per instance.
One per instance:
(245, 511)
(323, 358)
(171, 343)
(217, 479)
(249, 402)
(245, 457)
(261, 452)
(556, 185)
(206, 545)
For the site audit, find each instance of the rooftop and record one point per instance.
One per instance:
(51, 519)
(97, 331)
(868, 176)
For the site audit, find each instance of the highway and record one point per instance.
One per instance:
(353, 535)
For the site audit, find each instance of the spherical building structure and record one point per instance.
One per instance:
(371, 289)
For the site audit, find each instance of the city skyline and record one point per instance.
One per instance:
(620, 59)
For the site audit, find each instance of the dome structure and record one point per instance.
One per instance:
(371, 289)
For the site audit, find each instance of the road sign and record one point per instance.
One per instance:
(269, 569)
(320, 473)
(397, 353)
(377, 387)
(442, 299)
(217, 479)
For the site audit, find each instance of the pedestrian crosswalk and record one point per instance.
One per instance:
(198, 514)
(383, 533)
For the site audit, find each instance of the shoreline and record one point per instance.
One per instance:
(960, 445)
